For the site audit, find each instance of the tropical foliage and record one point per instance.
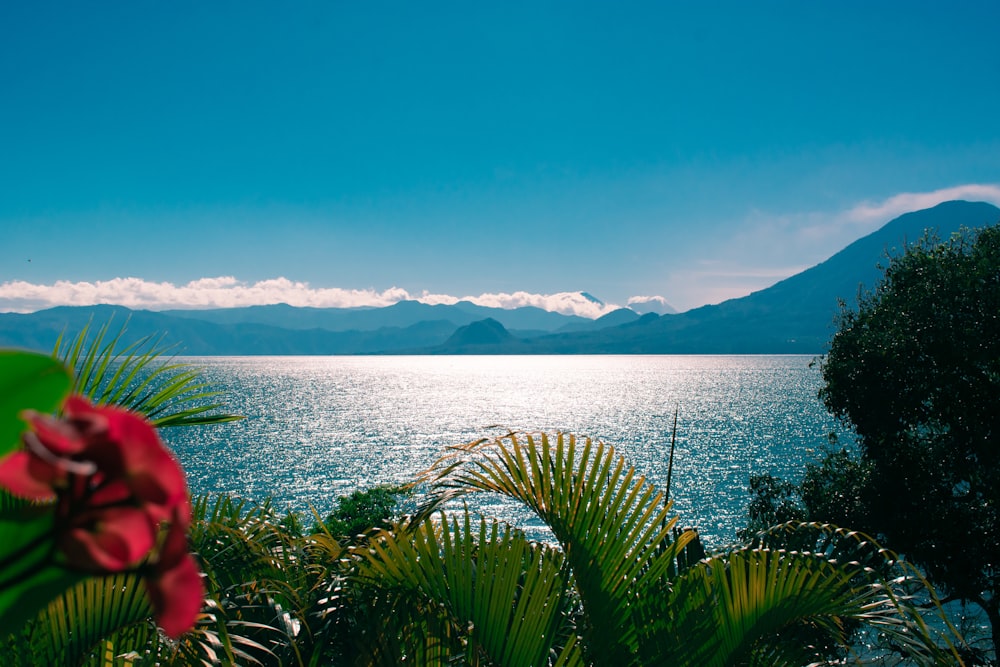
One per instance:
(914, 371)
(615, 583)
(91, 492)
(645, 593)
(364, 509)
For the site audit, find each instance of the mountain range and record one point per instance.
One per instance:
(795, 315)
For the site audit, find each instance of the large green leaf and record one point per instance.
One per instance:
(764, 606)
(27, 381)
(506, 593)
(722, 609)
(614, 527)
(73, 627)
(29, 576)
(649, 598)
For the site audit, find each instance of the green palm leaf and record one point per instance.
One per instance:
(72, 629)
(389, 629)
(726, 605)
(764, 606)
(506, 592)
(139, 377)
(274, 596)
(613, 526)
(258, 581)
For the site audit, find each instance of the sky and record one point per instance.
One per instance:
(334, 153)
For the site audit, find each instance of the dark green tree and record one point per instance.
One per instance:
(832, 491)
(915, 371)
(773, 501)
(365, 509)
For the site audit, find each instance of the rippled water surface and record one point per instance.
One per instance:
(320, 427)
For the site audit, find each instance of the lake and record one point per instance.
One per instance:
(320, 427)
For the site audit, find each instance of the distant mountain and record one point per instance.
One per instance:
(282, 329)
(612, 319)
(39, 331)
(795, 315)
(483, 332)
(401, 314)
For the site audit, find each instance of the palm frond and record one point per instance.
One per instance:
(766, 606)
(276, 597)
(614, 527)
(508, 592)
(72, 629)
(141, 376)
(389, 629)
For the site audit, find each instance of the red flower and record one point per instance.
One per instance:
(114, 482)
(130, 451)
(112, 539)
(54, 452)
(174, 585)
(25, 474)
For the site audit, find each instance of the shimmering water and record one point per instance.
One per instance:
(321, 427)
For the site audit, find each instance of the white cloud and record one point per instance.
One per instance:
(769, 247)
(815, 235)
(650, 304)
(220, 292)
(881, 212)
(567, 303)
(228, 292)
(764, 249)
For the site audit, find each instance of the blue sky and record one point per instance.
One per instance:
(338, 153)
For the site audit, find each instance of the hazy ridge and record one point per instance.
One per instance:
(793, 316)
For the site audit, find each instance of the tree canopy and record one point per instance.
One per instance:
(915, 371)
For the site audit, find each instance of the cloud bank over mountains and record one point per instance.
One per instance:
(650, 304)
(767, 247)
(228, 292)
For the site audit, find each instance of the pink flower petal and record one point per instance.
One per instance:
(27, 476)
(59, 436)
(153, 473)
(174, 547)
(177, 596)
(112, 492)
(115, 482)
(109, 540)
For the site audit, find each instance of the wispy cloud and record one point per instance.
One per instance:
(867, 216)
(880, 212)
(769, 247)
(228, 292)
(716, 282)
(829, 231)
